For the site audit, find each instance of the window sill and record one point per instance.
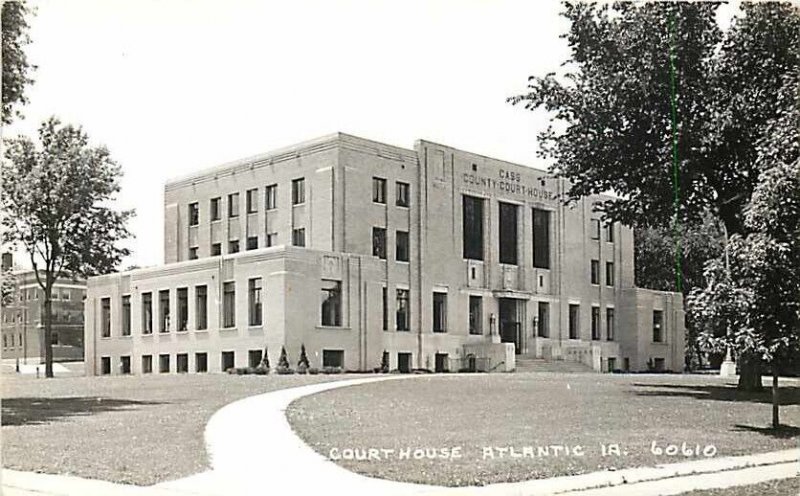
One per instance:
(402, 261)
(332, 328)
(201, 330)
(255, 327)
(105, 337)
(182, 331)
(126, 336)
(232, 328)
(147, 334)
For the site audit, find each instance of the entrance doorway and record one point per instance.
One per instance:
(511, 322)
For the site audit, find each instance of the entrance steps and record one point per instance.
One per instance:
(533, 364)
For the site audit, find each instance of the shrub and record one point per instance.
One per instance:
(313, 370)
(265, 360)
(283, 361)
(284, 370)
(301, 368)
(303, 358)
(261, 370)
(331, 370)
(385, 362)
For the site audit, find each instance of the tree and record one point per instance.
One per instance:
(303, 361)
(657, 104)
(283, 360)
(16, 68)
(56, 205)
(265, 359)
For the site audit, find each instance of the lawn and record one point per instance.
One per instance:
(782, 487)
(138, 430)
(484, 415)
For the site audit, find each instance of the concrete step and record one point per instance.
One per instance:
(533, 364)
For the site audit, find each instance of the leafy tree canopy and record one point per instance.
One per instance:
(16, 68)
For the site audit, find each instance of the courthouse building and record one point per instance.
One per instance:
(430, 257)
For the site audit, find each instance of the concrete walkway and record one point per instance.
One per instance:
(253, 450)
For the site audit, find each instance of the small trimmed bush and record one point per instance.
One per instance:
(302, 368)
(283, 361)
(331, 370)
(284, 370)
(303, 358)
(313, 370)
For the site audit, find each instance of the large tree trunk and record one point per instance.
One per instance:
(776, 421)
(48, 331)
(749, 373)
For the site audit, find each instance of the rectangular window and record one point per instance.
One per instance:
(163, 363)
(194, 214)
(609, 273)
(299, 236)
(251, 200)
(201, 362)
(475, 314)
(233, 205)
(543, 320)
(298, 191)
(147, 364)
(254, 358)
(333, 358)
(508, 233)
(609, 230)
(229, 304)
(228, 360)
(193, 253)
(271, 197)
(105, 317)
(252, 242)
(658, 324)
(200, 307)
(216, 249)
(384, 308)
(182, 363)
(401, 248)
(595, 323)
(403, 194)
(271, 239)
(404, 362)
(441, 363)
(233, 246)
(402, 316)
(126, 315)
(105, 365)
(147, 313)
(214, 207)
(610, 324)
(574, 321)
(595, 269)
(439, 312)
(378, 190)
(595, 229)
(254, 301)
(163, 310)
(472, 227)
(183, 309)
(331, 303)
(659, 364)
(379, 242)
(541, 238)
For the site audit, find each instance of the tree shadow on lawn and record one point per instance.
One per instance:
(782, 432)
(787, 395)
(27, 411)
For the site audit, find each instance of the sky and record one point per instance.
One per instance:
(174, 86)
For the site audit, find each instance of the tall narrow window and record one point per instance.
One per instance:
(229, 304)
(658, 324)
(163, 363)
(201, 362)
(193, 253)
(163, 310)
(401, 248)
(299, 236)
(214, 207)
(126, 315)
(508, 233)
(403, 192)
(233, 205)
(475, 315)
(271, 197)
(402, 316)
(384, 308)
(472, 227)
(183, 309)
(541, 238)
(254, 301)
(105, 317)
(233, 246)
(595, 323)
(251, 200)
(574, 321)
(595, 229)
(595, 270)
(379, 242)
(439, 312)
(298, 191)
(378, 190)
(147, 364)
(331, 303)
(271, 239)
(200, 308)
(610, 324)
(147, 313)
(543, 320)
(609, 230)
(194, 214)
(609, 273)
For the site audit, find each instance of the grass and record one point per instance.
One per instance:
(783, 487)
(520, 410)
(129, 429)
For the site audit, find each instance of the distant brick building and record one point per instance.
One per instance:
(22, 326)
(429, 257)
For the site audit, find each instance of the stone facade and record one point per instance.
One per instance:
(355, 248)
